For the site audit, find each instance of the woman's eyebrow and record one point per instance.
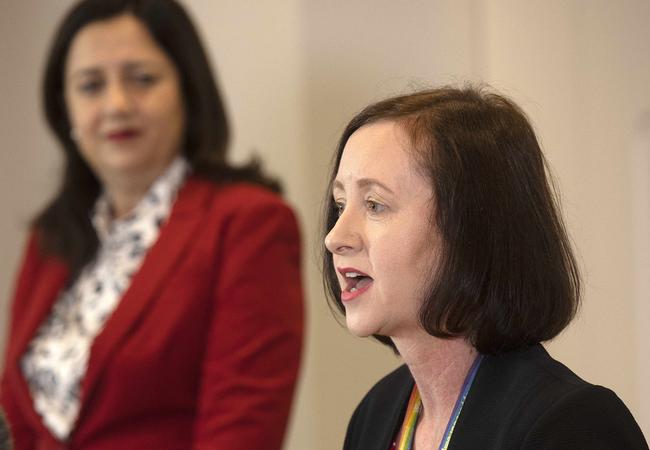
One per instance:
(369, 182)
(141, 63)
(336, 184)
(126, 65)
(363, 183)
(83, 72)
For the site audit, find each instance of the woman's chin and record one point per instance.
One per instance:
(359, 328)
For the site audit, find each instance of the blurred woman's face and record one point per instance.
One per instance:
(124, 100)
(383, 244)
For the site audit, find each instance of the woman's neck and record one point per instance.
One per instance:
(123, 202)
(125, 193)
(439, 368)
(125, 189)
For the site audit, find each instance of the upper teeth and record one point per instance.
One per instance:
(353, 274)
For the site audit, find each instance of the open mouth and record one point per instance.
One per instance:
(356, 281)
(355, 284)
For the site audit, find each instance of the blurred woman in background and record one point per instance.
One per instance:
(444, 241)
(159, 301)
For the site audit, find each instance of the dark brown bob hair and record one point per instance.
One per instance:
(64, 224)
(507, 276)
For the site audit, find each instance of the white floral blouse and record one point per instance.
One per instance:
(55, 362)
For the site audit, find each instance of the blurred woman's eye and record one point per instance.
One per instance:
(375, 207)
(91, 86)
(144, 79)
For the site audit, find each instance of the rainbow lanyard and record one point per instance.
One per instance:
(405, 439)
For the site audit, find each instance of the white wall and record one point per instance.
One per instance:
(294, 72)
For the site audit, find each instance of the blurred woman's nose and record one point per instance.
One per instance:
(117, 99)
(344, 237)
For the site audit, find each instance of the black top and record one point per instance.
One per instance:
(521, 400)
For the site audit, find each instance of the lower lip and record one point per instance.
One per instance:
(347, 296)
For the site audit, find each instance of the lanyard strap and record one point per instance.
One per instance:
(469, 379)
(407, 433)
(410, 421)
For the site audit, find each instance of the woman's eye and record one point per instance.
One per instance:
(374, 207)
(90, 86)
(339, 208)
(144, 79)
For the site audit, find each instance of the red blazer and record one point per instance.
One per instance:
(203, 350)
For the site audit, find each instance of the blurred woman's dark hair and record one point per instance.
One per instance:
(64, 225)
(507, 277)
(5, 437)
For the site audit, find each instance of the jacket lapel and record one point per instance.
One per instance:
(51, 281)
(161, 259)
(52, 276)
(394, 418)
(387, 413)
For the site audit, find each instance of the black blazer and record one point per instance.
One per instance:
(522, 400)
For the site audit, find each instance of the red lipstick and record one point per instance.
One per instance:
(122, 135)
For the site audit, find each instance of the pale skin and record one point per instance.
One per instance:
(384, 231)
(125, 104)
(439, 368)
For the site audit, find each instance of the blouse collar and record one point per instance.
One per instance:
(161, 194)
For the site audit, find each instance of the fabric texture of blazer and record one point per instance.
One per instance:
(202, 351)
(522, 400)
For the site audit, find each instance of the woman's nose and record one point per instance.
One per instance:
(344, 237)
(117, 99)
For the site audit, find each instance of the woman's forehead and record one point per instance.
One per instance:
(379, 153)
(112, 42)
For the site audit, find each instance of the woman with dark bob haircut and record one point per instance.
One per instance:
(444, 241)
(159, 304)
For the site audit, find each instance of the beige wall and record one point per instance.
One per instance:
(28, 161)
(294, 71)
